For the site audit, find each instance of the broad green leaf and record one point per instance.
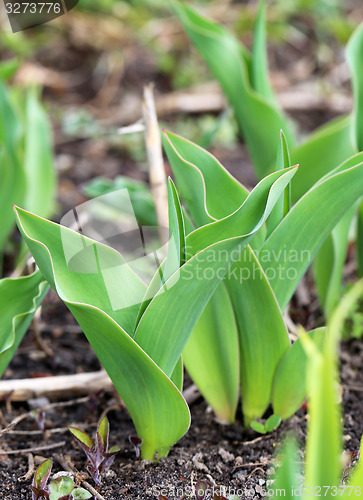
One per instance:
(212, 247)
(38, 156)
(260, 80)
(177, 377)
(227, 59)
(324, 149)
(219, 194)
(176, 250)
(209, 191)
(10, 128)
(329, 263)
(211, 355)
(19, 299)
(251, 214)
(289, 386)
(307, 225)
(91, 272)
(263, 338)
(354, 58)
(157, 407)
(287, 475)
(355, 61)
(175, 258)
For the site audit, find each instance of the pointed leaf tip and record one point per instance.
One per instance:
(103, 430)
(82, 437)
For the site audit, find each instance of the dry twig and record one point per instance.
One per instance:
(255, 440)
(32, 450)
(156, 162)
(56, 387)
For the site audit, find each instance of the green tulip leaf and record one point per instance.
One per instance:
(289, 386)
(324, 204)
(19, 299)
(211, 355)
(231, 64)
(156, 406)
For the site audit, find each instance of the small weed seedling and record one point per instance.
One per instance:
(270, 425)
(60, 488)
(98, 454)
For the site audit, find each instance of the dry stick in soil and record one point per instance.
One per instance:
(156, 163)
(68, 385)
(56, 387)
(56, 430)
(34, 449)
(29, 414)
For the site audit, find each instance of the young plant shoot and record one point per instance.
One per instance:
(139, 331)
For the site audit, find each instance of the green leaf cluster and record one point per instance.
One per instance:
(241, 341)
(139, 331)
(215, 299)
(100, 457)
(27, 173)
(243, 76)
